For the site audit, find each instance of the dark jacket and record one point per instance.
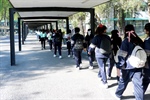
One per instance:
(147, 49)
(116, 44)
(88, 39)
(125, 51)
(75, 37)
(57, 38)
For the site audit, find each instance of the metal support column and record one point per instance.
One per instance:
(51, 27)
(92, 13)
(25, 31)
(19, 34)
(12, 42)
(67, 25)
(57, 25)
(22, 32)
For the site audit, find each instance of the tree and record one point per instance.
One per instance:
(78, 19)
(120, 9)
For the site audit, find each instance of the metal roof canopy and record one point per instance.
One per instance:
(42, 19)
(63, 8)
(53, 3)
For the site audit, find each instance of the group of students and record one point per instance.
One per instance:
(111, 45)
(54, 39)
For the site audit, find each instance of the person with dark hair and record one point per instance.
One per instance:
(88, 39)
(57, 40)
(129, 72)
(78, 44)
(101, 43)
(146, 79)
(116, 43)
(42, 39)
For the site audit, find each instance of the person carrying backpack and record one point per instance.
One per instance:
(78, 44)
(146, 79)
(102, 45)
(128, 71)
(57, 40)
(116, 43)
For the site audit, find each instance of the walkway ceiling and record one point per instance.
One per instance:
(33, 4)
(53, 3)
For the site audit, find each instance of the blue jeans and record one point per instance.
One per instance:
(110, 66)
(102, 69)
(136, 76)
(78, 58)
(91, 58)
(57, 46)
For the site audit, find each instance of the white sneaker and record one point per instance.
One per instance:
(78, 68)
(54, 56)
(69, 56)
(60, 57)
(108, 77)
(90, 67)
(106, 86)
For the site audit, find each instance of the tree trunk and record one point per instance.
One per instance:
(5, 22)
(149, 9)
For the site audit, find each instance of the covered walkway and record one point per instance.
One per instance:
(39, 76)
(37, 9)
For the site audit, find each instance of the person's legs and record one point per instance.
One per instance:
(123, 82)
(44, 43)
(102, 67)
(80, 57)
(50, 44)
(137, 80)
(110, 66)
(59, 49)
(55, 49)
(146, 79)
(76, 54)
(42, 46)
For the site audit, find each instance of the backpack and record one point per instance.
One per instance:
(78, 44)
(57, 39)
(138, 57)
(105, 46)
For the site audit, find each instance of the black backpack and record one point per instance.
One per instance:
(57, 40)
(105, 46)
(78, 44)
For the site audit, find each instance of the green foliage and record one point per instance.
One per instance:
(4, 10)
(76, 18)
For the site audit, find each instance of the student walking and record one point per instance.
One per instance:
(49, 36)
(57, 40)
(102, 44)
(42, 39)
(129, 72)
(88, 39)
(116, 43)
(68, 40)
(146, 79)
(78, 43)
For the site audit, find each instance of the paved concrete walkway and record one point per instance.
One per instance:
(39, 76)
